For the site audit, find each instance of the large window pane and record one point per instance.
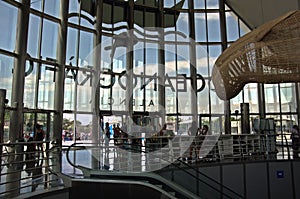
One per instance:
(185, 105)
(84, 90)
(212, 4)
(235, 103)
(71, 55)
(200, 30)
(217, 105)
(87, 23)
(184, 123)
(182, 24)
(151, 58)
(203, 99)
(213, 22)
(287, 97)
(216, 125)
(49, 39)
(271, 98)
(170, 57)
(139, 18)
(202, 60)
(46, 87)
(183, 65)
(185, 4)
(86, 47)
(37, 5)
(138, 55)
(30, 85)
(8, 24)
(118, 98)
(119, 61)
(214, 52)
(152, 65)
(69, 94)
(141, 102)
(6, 67)
(117, 17)
(171, 98)
(168, 3)
(52, 7)
(106, 100)
(251, 97)
(33, 36)
(73, 6)
(243, 28)
(199, 4)
(232, 26)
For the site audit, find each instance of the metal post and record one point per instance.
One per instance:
(59, 85)
(2, 114)
(47, 162)
(16, 116)
(227, 117)
(245, 120)
(297, 90)
(95, 87)
(161, 67)
(129, 66)
(193, 68)
(129, 72)
(227, 110)
(60, 72)
(261, 100)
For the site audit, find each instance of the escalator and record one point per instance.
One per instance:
(128, 184)
(101, 180)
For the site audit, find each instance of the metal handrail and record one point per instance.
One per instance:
(256, 149)
(13, 162)
(287, 146)
(194, 175)
(142, 176)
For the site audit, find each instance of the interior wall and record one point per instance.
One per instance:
(270, 179)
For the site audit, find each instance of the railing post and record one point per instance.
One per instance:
(2, 114)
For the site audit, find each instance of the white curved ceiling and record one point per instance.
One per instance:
(258, 12)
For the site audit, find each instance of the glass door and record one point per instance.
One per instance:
(34, 119)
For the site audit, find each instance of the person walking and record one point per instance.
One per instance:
(39, 136)
(194, 131)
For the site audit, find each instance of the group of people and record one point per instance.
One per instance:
(119, 136)
(37, 136)
(34, 148)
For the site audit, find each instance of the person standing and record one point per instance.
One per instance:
(295, 136)
(39, 136)
(107, 134)
(204, 130)
(193, 131)
(117, 133)
(30, 156)
(106, 139)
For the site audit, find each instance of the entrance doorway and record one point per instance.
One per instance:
(32, 120)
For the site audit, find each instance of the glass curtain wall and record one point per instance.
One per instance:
(178, 40)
